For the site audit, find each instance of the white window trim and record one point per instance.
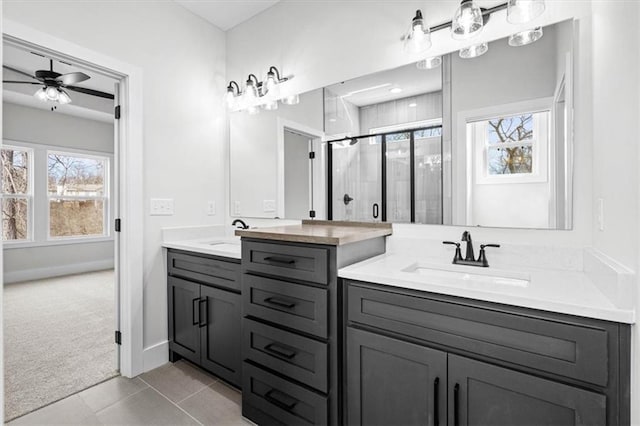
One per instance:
(539, 143)
(44, 240)
(106, 198)
(14, 145)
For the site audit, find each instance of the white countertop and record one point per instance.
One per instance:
(566, 292)
(217, 246)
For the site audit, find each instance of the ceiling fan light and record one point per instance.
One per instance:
(523, 38)
(418, 38)
(52, 93)
(291, 100)
(63, 97)
(41, 94)
(429, 63)
(467, 21)
(522, 11)
(473, 51)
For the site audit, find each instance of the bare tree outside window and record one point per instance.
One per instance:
(510, 145)
(15, 193)
(77, 195)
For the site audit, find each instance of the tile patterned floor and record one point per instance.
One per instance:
(174, 394)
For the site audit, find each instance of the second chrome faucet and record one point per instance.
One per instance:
(470, 258)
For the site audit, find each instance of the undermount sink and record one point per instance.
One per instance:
(470, 274)
(223, 245)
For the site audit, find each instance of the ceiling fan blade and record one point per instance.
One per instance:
(26, 74)
(22, 82)
(73, 78)
(90, 92)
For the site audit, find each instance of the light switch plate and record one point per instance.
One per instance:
(211, 208)
(161, 207)
(236, 207)
(269, 205)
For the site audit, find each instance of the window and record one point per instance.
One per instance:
(17, 193)
(511, 148)
(77, 194)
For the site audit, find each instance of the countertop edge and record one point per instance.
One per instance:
(265, 234)
(186, 246)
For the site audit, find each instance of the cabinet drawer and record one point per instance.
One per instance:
(295, 306)
(532, 340)
(204, 269)
(301, 358)
(288, 261)
(284, 401)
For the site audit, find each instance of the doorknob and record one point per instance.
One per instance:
(347, 199)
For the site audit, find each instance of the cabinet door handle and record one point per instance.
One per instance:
(280, 399)
(279, 350)
(436, 413)
(376, 210)
(194, 310)
(456, 405)
(206, 312)
(277, 259)
(280, 302)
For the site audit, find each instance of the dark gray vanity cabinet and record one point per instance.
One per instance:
(292, 338)
(205, 313)
(423, 358)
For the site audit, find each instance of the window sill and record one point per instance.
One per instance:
(61, 242)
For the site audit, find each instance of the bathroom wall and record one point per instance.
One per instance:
(182, 58)
(428, 106)
(36, 126)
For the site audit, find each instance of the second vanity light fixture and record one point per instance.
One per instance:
(468, 21)
(259, 94)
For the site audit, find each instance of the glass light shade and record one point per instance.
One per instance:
(250, 93)
(253, 110)
(52, 93)
(521, 11)
(271, 105)
(429, 63)
(230, 98)
(474, 51)
(270, 85)
(525, 37)
(467, 21)
(291, 100)
(41, 94)
(63, 97)
(418, 38)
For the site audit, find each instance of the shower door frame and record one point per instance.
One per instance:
(383, 169)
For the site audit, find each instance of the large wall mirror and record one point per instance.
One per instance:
(475, 142)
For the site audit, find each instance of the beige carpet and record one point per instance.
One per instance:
(58, 338)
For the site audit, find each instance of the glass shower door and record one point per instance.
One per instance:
(357, 179)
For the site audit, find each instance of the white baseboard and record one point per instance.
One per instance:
(56, 271)
(155, 356)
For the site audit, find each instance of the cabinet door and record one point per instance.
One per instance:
(221, 337)
(391, 382)
(184, 335)
(485, 394)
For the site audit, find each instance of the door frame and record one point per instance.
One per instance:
(129, 244)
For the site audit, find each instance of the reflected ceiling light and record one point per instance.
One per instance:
(418, 38)
(395, 90)
(271, 105)
(366, 89)
(522, 11)
(429, 63)
(253, 110)
(413, 105)
(291, 100)
(467, 21)
(525, 37)
(474, 51)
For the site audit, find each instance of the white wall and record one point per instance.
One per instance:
(182, 58)
(36, 126)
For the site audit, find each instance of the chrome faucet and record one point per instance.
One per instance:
(470, 258)
(241, 223)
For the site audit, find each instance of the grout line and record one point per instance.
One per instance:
(121, 400)
(179, 407)
(193, 394)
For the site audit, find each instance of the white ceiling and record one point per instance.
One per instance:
(226, 14)
(375, 88)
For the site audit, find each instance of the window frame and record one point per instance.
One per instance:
(29, 195)
(105, 198)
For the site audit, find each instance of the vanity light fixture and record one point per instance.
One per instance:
(525, 37)
(418, 38)
(251, 90)
(233, 91)
(467, 21)
(429, 63)
(473, 51)
(257, 94)
(522, 11)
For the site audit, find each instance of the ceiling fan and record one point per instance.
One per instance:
(53, 84)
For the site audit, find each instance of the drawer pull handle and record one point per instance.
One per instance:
(279, 350)
(206, 312)
(195, 309)
(283, 260)
(436, 413)
(456, 404)
(280, 399)
(280, 302)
